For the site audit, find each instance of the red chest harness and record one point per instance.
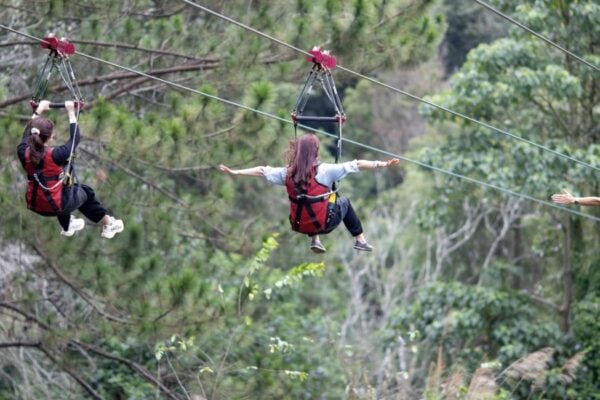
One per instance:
(309, 211)
(44, 189)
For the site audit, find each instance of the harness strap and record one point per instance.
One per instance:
(305, 205)
(313, 216)
(38, 184)
(296, 221)
(309, 199)
(46, 178)
(51, 201)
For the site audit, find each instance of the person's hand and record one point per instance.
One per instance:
(44, 105)
(70, 106)
(563, 198)
(393, 161)
(226, 169)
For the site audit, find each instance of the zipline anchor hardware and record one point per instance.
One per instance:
(323, 63)
(58, 59)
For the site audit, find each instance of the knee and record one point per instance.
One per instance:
(89, 191)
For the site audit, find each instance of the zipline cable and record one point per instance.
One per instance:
(358, 144)
(538, 35)
(394, 89)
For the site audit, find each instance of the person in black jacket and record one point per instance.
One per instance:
(51, 190)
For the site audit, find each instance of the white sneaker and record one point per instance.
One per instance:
(75, 224)
(113, 227)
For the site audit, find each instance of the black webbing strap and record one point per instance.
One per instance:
(304, 203)
(38, 181)
(296, 221)
(313, 216)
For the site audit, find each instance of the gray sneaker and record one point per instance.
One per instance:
(363, 246)
(317, 247)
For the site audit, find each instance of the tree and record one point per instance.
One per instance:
(522, 85)
(185, 302)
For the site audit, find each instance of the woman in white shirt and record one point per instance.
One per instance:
(314, 207)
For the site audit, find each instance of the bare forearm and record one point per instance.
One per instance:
(368, 164)
(587, 201)
(72, 116)
(254, 171)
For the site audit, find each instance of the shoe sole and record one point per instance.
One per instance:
(113, 233)
(318, 250)
(363, 249)
(71, 233)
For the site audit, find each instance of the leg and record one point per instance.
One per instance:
(96, 212)
(64, 221)
(83, 198)
(351, 220)
(353, 224)
(91, 207)
(315, 244)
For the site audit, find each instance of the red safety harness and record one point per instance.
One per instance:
(311, 210)
(44, 189)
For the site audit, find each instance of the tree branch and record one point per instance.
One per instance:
(174, 169)
(71, 373)
(19, 344)
(543, 302)
(109, 44)
(28, 317)
(167, 193)
(87, 298)
(132, 365)
(116, 76)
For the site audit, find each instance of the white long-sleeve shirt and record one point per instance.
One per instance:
(327, 174)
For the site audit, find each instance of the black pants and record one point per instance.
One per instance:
(344, 212)
(82, 198)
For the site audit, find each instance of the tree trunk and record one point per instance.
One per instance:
(567, 276)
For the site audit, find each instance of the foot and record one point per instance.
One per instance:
(362, 245)
(75, 224)
(113, 227)
(317, 247)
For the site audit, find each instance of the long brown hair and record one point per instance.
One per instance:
(302, 156)
(40, 130)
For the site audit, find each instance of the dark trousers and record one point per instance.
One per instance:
(344, 212)
(82, 198)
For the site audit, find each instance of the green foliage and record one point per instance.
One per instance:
(587, 319)
(188, 292)
(474, 323)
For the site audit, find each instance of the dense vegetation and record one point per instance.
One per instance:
(469, 294)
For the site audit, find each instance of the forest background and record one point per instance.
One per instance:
(470, 293)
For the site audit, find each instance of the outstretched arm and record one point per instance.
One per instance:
(254, 171)
(366, 164)
(568, 198)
